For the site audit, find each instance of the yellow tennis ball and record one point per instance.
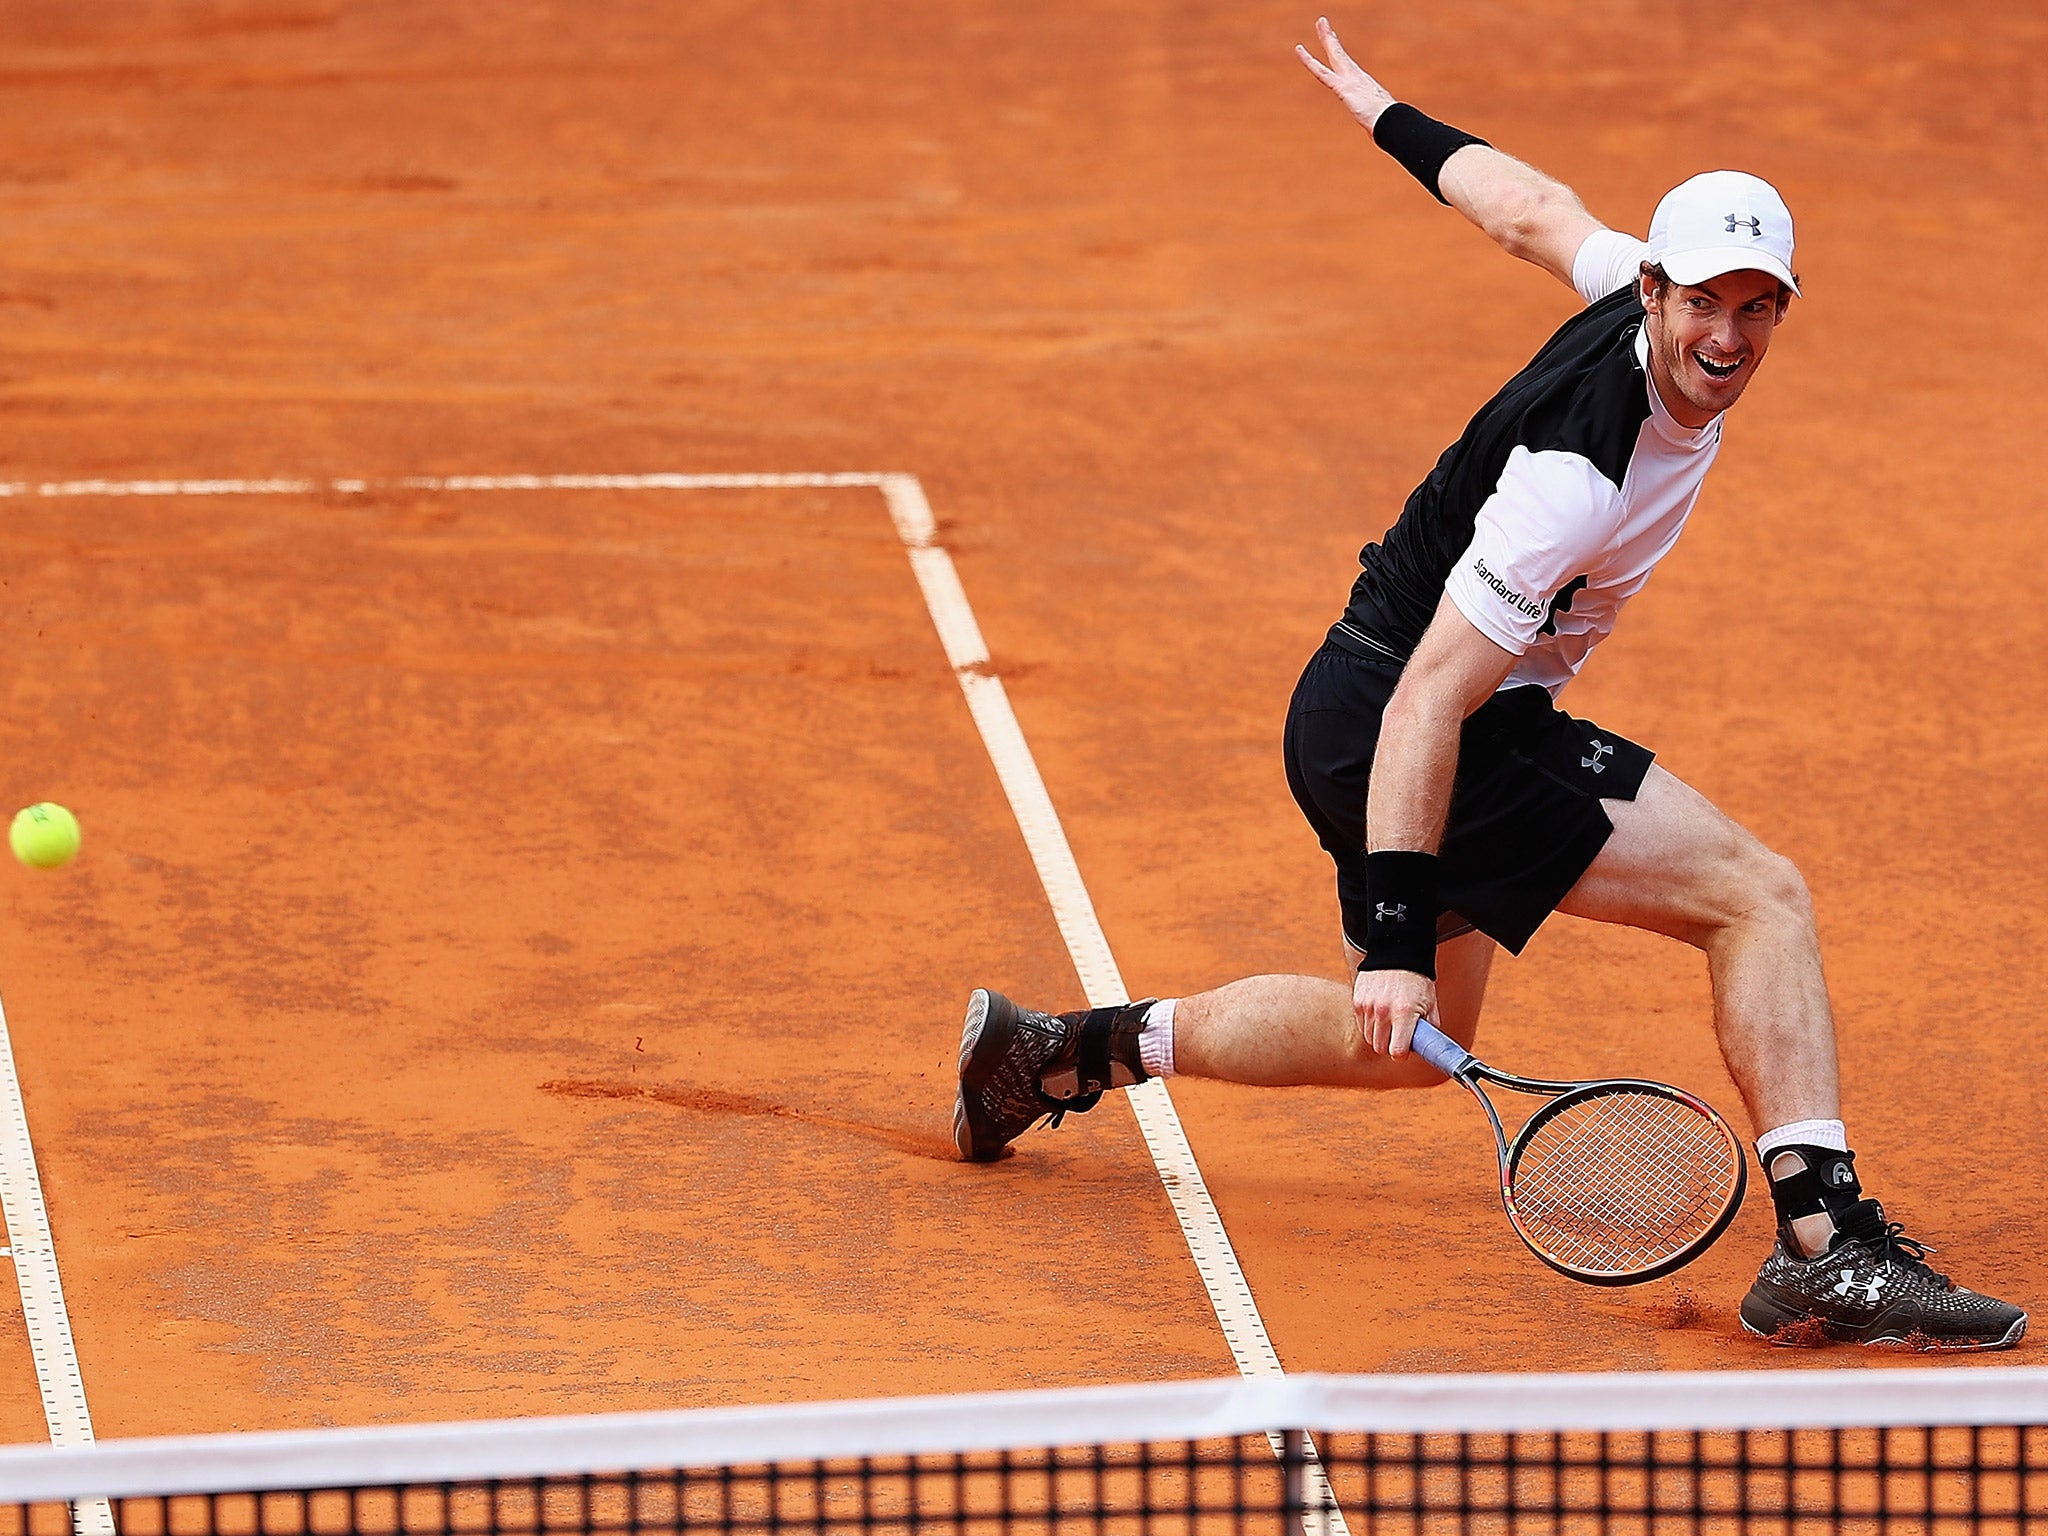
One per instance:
(43, 836)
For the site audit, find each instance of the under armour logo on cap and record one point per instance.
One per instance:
(1720, 222)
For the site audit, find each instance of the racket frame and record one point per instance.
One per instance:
(1459, 1064)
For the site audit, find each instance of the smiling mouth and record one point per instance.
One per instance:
(1714, 370)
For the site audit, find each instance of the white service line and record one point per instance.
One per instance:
(661, 482)
(1101, 983)
(50, 1344)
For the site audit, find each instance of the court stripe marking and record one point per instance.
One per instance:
(1230, 1293)
(278, 487)
(34, 1251)
(967, 652)
(1201, 1224)
(1101, 982)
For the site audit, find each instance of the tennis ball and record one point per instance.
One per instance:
(43, 836)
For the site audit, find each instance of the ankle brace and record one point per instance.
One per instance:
(1104, 1053)
(1824, 1184)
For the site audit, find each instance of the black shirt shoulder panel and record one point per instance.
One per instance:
(1582, 393)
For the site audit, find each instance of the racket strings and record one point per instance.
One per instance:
(1618, 1182)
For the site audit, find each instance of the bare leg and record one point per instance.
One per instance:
(1677, 866)
(1276, 1031)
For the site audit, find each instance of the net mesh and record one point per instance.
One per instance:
(1978, 1478)
(1617, 1183)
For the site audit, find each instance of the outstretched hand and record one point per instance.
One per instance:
(1365, 96)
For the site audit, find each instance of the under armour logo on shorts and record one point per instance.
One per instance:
(1597, 762)
(1756, 226)
(1397, 913)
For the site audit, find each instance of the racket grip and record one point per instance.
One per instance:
(1439, 1049)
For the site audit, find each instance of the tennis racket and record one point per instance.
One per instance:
(1614, 1181)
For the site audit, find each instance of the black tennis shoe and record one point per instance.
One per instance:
(1873, 1286)
(1018, 1066)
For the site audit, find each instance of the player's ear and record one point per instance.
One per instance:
(1648, 279)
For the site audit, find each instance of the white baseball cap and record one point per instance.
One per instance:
(1723, 221)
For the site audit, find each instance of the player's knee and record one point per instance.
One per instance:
(1740, 887)
(1784, 890)
(1767, 890)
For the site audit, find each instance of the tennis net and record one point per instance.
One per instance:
(1791, 1452)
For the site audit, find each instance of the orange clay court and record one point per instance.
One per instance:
(516, 960)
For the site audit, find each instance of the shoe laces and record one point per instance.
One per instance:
(1061, 1108)
(1892, 1243)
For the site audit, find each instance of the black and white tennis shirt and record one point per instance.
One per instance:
(1555, 505)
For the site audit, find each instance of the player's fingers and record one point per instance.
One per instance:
(1328, 36)
(1402, 1035)
(1315, 65)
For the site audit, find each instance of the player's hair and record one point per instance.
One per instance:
(1662, 281)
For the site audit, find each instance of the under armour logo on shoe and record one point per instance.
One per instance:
(1397, 913)
(1756, 226)
(1849, 1283)
(1597, 762)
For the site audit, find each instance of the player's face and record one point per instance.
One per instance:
(1705, 342)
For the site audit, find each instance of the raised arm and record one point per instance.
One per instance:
(1528, 214)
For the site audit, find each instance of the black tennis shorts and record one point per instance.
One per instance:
(1525, 819)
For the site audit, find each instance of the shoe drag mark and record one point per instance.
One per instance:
(717, 1101)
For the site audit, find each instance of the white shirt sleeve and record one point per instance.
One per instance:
(1607, 260)
(1548, 522)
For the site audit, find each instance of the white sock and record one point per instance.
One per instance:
(1831, 1134)
(1155, 1041)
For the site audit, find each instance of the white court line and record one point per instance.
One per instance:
(1101, 983)
(34, 1252)
(431, 483)
(1237, 1313)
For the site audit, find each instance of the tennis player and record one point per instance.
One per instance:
(1462, 807)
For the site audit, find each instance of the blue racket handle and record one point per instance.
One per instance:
(1439, 1049)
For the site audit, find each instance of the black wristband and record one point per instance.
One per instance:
(1400, 930)
(1420, 143)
